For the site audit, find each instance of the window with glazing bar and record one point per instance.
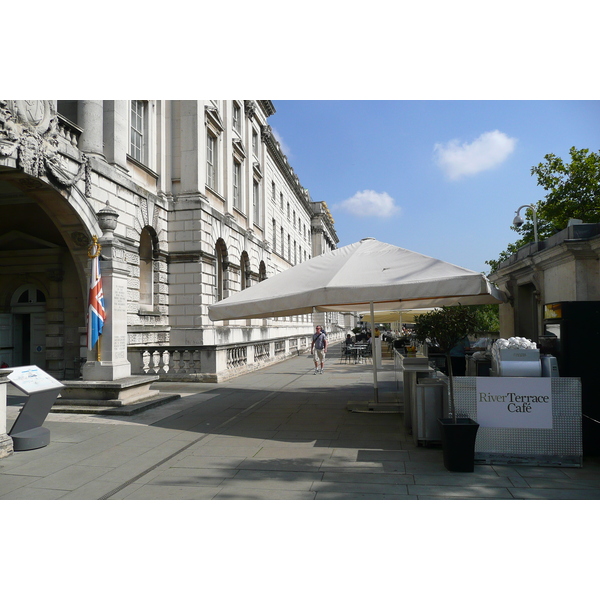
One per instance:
(137, 130)
(211, 161)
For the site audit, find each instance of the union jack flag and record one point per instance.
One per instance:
(96, 312)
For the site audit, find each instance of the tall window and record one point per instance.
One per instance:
(273, 190)
(255, 142)
(237, 185)
(289, 249)
(281, 200)
(274, 236)
(256, 202)
(137, 118)
(282, 240)
(211, 162)
(237, 118)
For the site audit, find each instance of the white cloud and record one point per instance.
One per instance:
(369, 204)
(489, 150)
(284, 147)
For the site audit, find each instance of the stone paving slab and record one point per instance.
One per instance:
(354, 487)
(464, 480)
(213, 450)
(559, 484)
(250, 493)
(183, 476)
(555, 494)
(69, 478)
(90, 491)
(195, 461)
(9, 483)
(285, 453)
(30, 493)
(268, 483)
(382, 466)
(274, 464)
(171, 492)
(459, 491)
(329, 495)
(353, 477)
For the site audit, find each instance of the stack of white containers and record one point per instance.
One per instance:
(516, 357)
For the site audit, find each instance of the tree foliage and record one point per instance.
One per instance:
(572, 192)
(446, 327)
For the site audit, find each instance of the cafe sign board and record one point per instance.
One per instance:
(514, 402)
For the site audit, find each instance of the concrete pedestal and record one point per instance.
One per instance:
(6, 442)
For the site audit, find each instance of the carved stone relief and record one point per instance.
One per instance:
(29, 132)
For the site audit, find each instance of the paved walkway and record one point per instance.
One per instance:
(279, 433)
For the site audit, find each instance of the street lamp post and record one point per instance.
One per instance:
(518, 220)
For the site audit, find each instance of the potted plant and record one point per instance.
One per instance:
(446, 328)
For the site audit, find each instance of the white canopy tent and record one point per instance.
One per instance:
(351, 278)
(365, 276)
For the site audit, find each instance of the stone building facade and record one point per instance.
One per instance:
(190, 200)
(562, 268)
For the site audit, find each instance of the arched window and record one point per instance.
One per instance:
(28, 295)
(146, 270)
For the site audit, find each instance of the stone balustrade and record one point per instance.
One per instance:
(211, 363)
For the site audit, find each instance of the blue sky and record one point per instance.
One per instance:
(457, 102)
(441, 177)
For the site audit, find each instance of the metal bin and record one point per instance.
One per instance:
(431, 404)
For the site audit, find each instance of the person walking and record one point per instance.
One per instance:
(319, 348)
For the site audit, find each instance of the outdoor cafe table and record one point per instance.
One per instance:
(357, 350)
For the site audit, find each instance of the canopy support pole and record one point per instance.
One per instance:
(374, 355)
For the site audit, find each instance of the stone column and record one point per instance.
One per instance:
(108, 362)
(90, 117)
(116, 132)
(6, 443)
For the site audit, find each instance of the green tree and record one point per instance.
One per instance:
(445, 328)
(573, 192)
(488, 317)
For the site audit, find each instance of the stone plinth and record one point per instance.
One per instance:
(6, 442)
(120, 392)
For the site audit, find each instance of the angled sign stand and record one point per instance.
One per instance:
(42, 390)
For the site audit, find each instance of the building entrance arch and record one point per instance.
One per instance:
(43, 291)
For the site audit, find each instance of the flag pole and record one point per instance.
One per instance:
(96, 298)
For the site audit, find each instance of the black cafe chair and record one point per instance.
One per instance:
(345, 354)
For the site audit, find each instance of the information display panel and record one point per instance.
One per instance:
(32, 379)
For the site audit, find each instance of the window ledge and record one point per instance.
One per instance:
(149, 312)
(142, 166)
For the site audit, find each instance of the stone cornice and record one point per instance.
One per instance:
(268, 107)
(284, 166)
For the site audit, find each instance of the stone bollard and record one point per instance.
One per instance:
(6, 443)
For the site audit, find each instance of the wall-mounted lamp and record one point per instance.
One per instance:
(518, 220)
